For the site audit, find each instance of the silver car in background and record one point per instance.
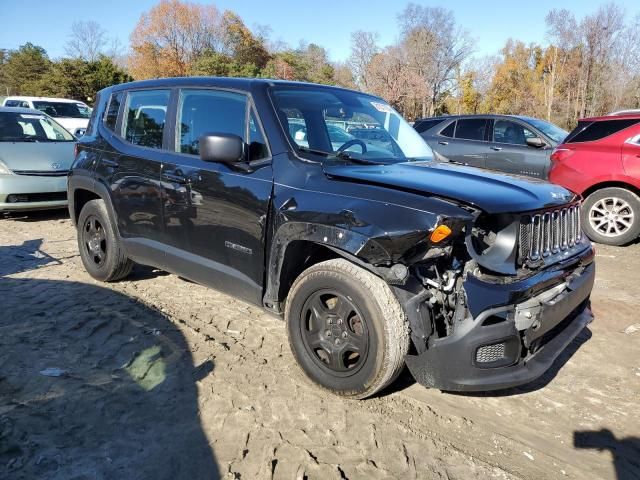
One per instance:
(36, 154)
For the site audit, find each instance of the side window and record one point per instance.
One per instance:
(12, 103)
(144, 117)
(257, 145)
(597, 130)
(448, 132)
(293, 121)
(92, 117)
(208, 111)
(505, 131)
(111, 113)
(471, 129)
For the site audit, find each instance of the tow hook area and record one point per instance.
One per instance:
(529, 314)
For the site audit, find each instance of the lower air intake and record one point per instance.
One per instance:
(490, 353)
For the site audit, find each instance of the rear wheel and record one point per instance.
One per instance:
(102, 255)
(346, 328)
(612, 216)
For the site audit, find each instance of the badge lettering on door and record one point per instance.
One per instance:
(239, 248)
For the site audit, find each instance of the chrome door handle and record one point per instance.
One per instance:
(443, 143)
(497, 149)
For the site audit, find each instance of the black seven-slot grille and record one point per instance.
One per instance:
(546, 234)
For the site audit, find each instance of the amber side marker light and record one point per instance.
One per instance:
(440, 233)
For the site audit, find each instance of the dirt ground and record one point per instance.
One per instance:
(156, 377)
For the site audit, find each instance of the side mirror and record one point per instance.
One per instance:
(536, 142)
(222, 147)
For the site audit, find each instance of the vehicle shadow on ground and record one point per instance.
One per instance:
(38, 215)
(405, 380)
(625, 451)
(94, 384)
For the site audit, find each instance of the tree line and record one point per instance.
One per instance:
(584, 66)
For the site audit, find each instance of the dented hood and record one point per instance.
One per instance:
(490, 191)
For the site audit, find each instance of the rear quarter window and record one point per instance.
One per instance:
(425, 125)
(111, 112)
(592, 131)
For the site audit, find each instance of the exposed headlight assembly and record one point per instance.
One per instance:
(493, 243)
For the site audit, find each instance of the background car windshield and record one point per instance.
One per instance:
(63, 109)
(331, 120)
(27, 127)
(552, 131)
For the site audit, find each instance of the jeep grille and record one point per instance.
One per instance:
(547, 234)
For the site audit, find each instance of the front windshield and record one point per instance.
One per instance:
(329, 121)
(552, 131)
(28, 127)
(63, 109)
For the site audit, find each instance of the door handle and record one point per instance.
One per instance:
(175, 178)
(497, 149)
(110, 163)
(441, 142)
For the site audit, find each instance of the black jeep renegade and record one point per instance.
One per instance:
(375, 255)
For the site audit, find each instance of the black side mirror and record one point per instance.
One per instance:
(536, 142)
(222, 147)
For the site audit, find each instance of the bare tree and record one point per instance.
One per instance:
(87, 41)
(436, 48)
(363, 48)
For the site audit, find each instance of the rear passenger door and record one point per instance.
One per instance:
(464, 141)
(131, 162)
(214, 213)
(509, 151)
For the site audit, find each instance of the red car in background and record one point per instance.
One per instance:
(600, 159)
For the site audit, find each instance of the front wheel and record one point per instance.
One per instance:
(102, 255)
(346, 328)
(611, 216)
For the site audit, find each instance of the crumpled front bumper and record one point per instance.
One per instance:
(510, 344)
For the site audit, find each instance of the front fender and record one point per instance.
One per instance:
(373, 233)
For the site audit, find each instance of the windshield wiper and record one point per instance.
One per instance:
(340, 155)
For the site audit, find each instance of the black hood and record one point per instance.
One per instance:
(490, 191)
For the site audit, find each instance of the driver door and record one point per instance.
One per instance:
(509, 152)
(215, 214)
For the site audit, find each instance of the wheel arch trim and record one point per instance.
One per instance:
(77, 182)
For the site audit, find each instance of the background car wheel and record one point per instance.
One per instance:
(100, 249)
(346, 328)
(611, 216)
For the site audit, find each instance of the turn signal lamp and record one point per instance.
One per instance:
(440, 233)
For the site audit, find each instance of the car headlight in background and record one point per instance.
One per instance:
(4, 170)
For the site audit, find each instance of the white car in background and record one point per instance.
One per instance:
(71, 114)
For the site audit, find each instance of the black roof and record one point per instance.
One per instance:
(236, 83)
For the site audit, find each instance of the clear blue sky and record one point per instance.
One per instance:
(328, 22)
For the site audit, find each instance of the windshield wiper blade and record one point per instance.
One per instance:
(341, 155)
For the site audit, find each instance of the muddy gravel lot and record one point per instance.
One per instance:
(156, 377)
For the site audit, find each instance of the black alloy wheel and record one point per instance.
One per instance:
(334, 332)
(94, 240)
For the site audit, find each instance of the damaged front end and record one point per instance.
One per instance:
(500, 301)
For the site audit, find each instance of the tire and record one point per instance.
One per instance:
(357, 309)
(611, 216)
(100, 249)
